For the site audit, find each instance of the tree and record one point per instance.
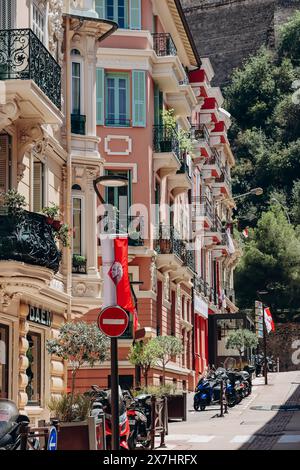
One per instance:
(289, 41)
(168, 347)
(241, 340)
(79, 343)
(144, 355)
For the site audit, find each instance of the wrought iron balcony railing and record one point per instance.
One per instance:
(202, 207)
(163, 44)
(215, 159)
(217, 224)
(200, 132)
(200, 285)
(229, 292)
(165, 140)
(28, 238)
(79, 268)
(78, 122)
(169, 242)
(24, 57)
(225, 178)
(189, 258)
(184, 167)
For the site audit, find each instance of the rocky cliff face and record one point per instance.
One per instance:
(228, 31)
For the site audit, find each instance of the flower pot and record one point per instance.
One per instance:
(83, 435)
(56, 225)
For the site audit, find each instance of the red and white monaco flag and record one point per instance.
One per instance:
(270, 325)
(116, 285)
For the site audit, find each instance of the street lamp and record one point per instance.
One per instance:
(112, 182)
(254, 191)
(283, 207)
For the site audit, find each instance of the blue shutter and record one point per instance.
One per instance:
(135, 14)
(100, 96)
(100, 8)
(139, 98)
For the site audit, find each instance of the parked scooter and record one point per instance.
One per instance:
(10, 427)
(139, 414)
(102, 402)
(208, 390)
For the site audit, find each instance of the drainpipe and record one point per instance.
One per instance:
(69, 164)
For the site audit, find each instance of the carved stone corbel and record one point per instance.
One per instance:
(9, 112)
(6, 297)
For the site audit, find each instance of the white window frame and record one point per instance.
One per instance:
(44, 13)
(44, 182)
(78, 195)
(78, 60)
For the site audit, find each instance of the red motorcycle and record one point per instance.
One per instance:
(102, 400)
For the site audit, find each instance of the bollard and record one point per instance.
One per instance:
(222, 399)
(278, 364)
(164, 404)
(153, 420)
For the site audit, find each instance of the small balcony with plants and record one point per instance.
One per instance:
(169, 244)
(79, 264)
(29, 237)
(212, 168)
(31, 74)
(78, 124)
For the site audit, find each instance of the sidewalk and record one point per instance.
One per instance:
(256, 423)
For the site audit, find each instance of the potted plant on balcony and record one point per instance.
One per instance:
(78, 343)
(13, 202)
(79, 263)
(169, 129)
(61, 230)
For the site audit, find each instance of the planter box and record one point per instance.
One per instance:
(177, 407)
(84, 435)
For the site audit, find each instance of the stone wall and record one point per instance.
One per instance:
(285, 344)
(228, 31)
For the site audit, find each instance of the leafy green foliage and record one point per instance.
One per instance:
(66, 409)
(240, 340)
(144, 355)
(290, 39)
(168, 347)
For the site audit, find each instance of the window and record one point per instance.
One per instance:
(4, 361)
(77, 225)
(76, 84)
(38, 185)
(33, 371)
(117, 100)
(117, 10)
(7, 14)
(38, 22)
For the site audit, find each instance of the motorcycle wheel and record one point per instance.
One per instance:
(196, 406)
(231, 401)
(146, 444)
(202, 407)
(132, 442)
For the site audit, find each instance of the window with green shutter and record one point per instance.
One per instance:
(135, 14)
(127, 13)
(117, 98)
(100, 96)
(139, 98)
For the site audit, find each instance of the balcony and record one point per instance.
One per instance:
(79, 265)
(212, 168)
(200, 133)
(166, 150)
(168, 71)
(169, 242)
(28, 238)
(213, 236)
(201, 286)
(189, 258)
(229, 292)
(223, 185)
(181, 181)
(202, 211)
(131, 225)
(78, 122)
(31, 73)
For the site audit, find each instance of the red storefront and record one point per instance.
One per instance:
(200, 334)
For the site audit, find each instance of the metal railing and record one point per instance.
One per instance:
(78, 122)
(224, 178)
(215, 159)
(217, 224)
(24, 57)
(202, 207)
(165, 140)
(200, 132)
(200, 285)
(169, 241)
(163, 44)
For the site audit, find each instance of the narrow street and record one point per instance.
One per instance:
(256, 423)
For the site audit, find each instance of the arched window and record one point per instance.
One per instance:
(76, 187)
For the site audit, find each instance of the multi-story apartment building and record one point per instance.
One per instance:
(46, 47)
(179, 266)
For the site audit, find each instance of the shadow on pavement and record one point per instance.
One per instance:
(267, 436)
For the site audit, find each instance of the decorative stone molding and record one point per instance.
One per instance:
(6, 297)
(153, 272)
(166, 285)
(178, 299)
(55, 29)
(9, 112)
(91, 175)
(111, 138)
(23, 360)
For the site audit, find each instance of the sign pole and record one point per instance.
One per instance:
(265, 349)
(115, 395)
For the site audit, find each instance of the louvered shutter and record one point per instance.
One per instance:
(139, 98)
(4, 168)
(135, 14)
(37, 186)
(100, 96)
(7, 14)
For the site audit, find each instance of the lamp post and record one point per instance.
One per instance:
(283, 207)
(254, 191)
(260, 293)
(112, 182)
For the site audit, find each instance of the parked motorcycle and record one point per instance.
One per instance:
(10, 427)
(208, 390)
(139, 414)
(102, 403)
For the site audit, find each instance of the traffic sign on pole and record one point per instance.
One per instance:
(113, 321)
(52, 439)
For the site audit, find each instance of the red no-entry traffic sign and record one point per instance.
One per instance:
(113, 321)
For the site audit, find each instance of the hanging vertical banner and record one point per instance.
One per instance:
(116, 285)
(269, 322)
(259, 319)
